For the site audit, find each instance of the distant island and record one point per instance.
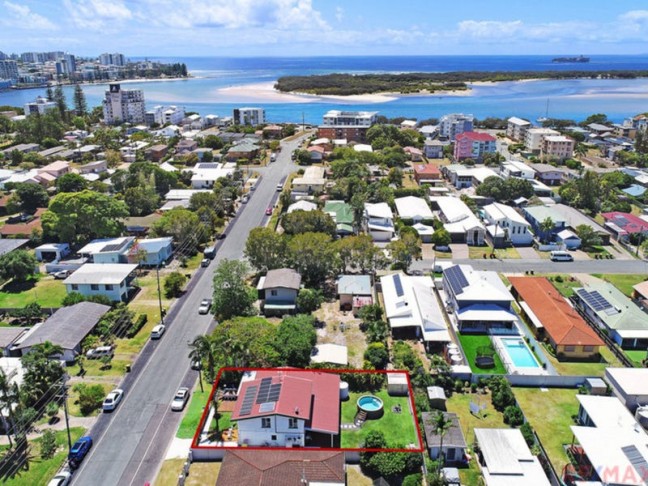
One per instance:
(340, 84)
(570, 59)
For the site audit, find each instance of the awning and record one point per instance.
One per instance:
(488, 313)
(280, 306)
(536, 322)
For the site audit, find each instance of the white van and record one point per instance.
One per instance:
(100, 352)
(561, 256)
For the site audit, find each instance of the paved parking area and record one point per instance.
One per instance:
(459, 251)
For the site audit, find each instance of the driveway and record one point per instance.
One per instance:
(527, 253)
(459, 251)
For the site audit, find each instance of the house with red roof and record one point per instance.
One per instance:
(288, 408)
(551, 317)
(625, 224)
(474, 145)
(427, 174)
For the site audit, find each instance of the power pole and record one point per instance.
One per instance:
(67, 420)
(157, 274)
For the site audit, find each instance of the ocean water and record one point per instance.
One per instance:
(215, 88)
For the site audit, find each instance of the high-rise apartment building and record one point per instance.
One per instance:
(8, 69)
(123, 105)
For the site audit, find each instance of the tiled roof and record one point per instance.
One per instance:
(281, 468)
(560, 320)
(282, 277)
(475, 137)
(427, 169)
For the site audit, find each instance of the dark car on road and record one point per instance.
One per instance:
(79, 450)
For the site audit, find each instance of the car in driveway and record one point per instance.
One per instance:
(62, 275)
(204, 306)
(157, 331)
(100, 351)
(112, 400)
(269, 211)
(79, 450)
(180, 399)
(62, 478)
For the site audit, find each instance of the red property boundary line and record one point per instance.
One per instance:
(194, 442)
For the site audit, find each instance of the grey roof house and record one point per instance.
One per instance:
(454, 442)
(278, 290)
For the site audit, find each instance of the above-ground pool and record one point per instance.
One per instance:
(371, 405)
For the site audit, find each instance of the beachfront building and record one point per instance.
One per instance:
(452, 125)
(506, 225)
(40, 106)
(349, 125)
(516, 128)
(478, 300)
(115, 59)
(557, 147)
(288, 408)
(533, 137)
(123, 105)
(474, 145)
(249, 116)
(161, 115)
(553, 320)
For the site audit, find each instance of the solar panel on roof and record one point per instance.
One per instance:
(248, 400)
(398, 285)
(115, 246)
(267, 407)
(456, 279)
(275, 391)
(636, 458)
(264, 389)
(208, 165)
(595, 300)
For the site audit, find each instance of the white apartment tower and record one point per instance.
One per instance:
(123, 105)
(40, 106)
(249, 116)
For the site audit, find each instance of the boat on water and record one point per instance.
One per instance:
(544, 118)
(571, 59)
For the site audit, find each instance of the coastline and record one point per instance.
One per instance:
(100, 83)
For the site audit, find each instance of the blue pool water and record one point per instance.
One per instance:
(370, 404)
(519, 353)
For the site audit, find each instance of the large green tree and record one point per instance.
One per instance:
(360, 253)
(245, 342)
(77, 217)
(314, 257)
(71, 182)
(232, 296)
(41, 372)
(184, 226)
(30, 197)
(589, 238)
(17, 265)
(295, 338)
(308, 222)
(265, 249)
(405, 249)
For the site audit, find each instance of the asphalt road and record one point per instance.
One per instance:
(130, 443)
(546, 266)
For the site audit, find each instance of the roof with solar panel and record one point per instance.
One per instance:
(469, 285)
(617, 311)
(306, 395)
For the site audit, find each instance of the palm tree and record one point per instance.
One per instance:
(546, 226)
(441, 424)
(201, 350)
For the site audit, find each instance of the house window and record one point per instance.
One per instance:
(292, 423)
(265, 422)
(273, 437)
(109, 287)
(570, 348)
(273, 293)
(94, 287)
(588, 349)
(75, 287)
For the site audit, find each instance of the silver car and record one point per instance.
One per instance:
(112, 400)
(180, 399)
(62, 478)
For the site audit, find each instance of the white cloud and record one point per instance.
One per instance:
(339, 14)
(95, 14)
(27, 19)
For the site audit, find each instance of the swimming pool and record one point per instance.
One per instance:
(519, 353)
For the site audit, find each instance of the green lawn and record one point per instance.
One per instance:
(470, 343)
(192, 415)
(478, 251)
(637, 356)
(622, 282)
(93, 367)
(489, 418)
(564, 283)
(585, 368)
(598, 250)
(41, 471)
(442, 254)
(550, 414)
(73, 400)
(399, 428)
(45, 290)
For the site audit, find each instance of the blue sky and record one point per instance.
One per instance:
(324, 27)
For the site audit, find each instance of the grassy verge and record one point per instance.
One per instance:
(622, 282)
(44, 290)
(509, 253)
(442, 254)
(93, 367)
(597, 251)
(42, 470)
(192, 415)
(399, 428)
(477, 252)
(73, 401)
(550, 414)
(200, 473)
(470, 343)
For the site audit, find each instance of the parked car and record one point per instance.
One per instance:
(180, 399)
(62, 275)
(205, 262)
(62, 478)
(204, 307)
(112, 400)
(269, 211)
(100, 352)
(245, 198)
(157, 331)
(280, 187)
(221, 236)
(273, 157)
(561, 256)
(79, 450)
